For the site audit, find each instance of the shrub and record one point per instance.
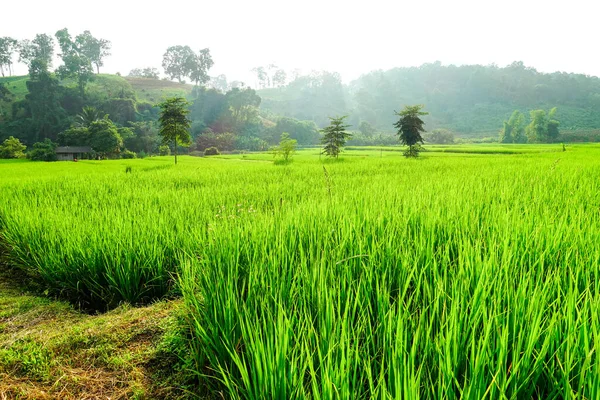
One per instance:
(43, 151)
(128, 154)
(12, 148)
(164, 150)
(211, 151)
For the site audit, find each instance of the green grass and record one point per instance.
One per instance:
(468, 275)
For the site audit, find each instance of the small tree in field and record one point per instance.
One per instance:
(410, 127)
(286, 148)
(335, 136)
(174, 123)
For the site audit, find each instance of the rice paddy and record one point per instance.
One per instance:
(470, 275)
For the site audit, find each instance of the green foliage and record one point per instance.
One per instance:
(286, 148)
(104, 137)
(180, 62)
(514, 129)
(39, 50)
(212, 151)
(8, 46)
(440, 136)
(174, 123)
(335, 136)
(366, 129)
(150, 73)
(409, 128)
(76, 63)
(94, 49)
(76, 136)
(310, 98)
(164, 150)
(128, 154)
(543, 128)
(43, 151)
(12, 148)
(243, 107)
(223, 141)
(88, 115)
(468, 99)
(304, 132)
(120, 110)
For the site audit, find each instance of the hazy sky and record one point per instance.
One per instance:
(349, 37)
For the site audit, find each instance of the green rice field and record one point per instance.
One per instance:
(472, 272)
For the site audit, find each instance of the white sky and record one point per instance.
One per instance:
(346, 36)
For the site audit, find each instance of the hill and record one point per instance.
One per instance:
(144, 89)
(469, 100)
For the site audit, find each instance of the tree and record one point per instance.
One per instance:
(514, 130)
(243, 106)
(76, 136)
(262, 76)
(286, 147)
(178, 62)
(174, 123)
(440, 136)
(40, 49)
(279, 78)
(43, 151)
(76, 63)
(409, 128)
(96, 50)
(366, 129)
(150, 73)
(12, 148)
(335, 136)
(104, 137)
(88, 115)
(199, 66)
(552, 131)
(8, 46)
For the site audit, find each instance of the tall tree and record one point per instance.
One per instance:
(409, 128)
(8, 46)
(243, 106)
(174, 123)
(76, 63)
(279, 78)
(178, 62)
(104, 137)
(513, 130)
(40, 49)
(96, 50)
(199, 65)
(335, 136)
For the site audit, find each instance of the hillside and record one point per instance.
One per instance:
(149, 90)
(468, 100)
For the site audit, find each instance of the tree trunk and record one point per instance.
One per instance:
(175, 150)
(97, 69)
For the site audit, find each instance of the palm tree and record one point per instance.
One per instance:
(88, 115)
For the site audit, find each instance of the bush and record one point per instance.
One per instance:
(164, 150)
(128, 154)
(211, 151)
(43, 151)
(12, 148)
(142, 154)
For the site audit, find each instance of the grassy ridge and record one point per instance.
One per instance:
(451, 276)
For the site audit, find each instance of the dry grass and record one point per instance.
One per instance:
(49, 350)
